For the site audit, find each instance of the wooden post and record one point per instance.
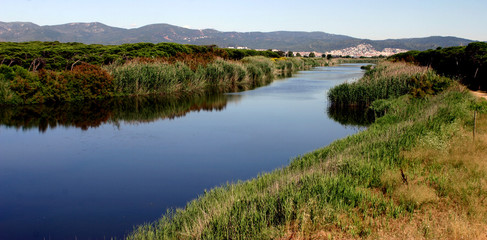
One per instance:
(474, 123)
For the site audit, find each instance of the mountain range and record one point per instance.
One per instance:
(98, 33)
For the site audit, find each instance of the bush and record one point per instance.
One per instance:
(85, 81)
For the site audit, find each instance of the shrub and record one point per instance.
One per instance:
(85, 81)
(89, 81)
(27, 89)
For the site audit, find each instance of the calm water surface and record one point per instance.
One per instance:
(95, 171)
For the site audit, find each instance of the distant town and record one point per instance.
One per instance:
(361, 50)
(366, 50)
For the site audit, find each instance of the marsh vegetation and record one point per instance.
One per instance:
(36, 72)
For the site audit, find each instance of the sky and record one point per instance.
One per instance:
(372, 19)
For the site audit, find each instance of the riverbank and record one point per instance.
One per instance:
(143, 156)
(392, 180)
(54, 72)
(186, 75)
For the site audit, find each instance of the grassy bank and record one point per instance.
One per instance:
(415, 172)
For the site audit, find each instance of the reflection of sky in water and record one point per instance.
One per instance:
(68, 182)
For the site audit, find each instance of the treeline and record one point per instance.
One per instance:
(58, 56)
(467, 64)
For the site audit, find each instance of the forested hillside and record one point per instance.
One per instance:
(98, 33)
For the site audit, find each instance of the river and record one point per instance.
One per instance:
(97, 169)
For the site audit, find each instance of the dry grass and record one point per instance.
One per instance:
(433, 222)
(461, 211)
(457, 212)
(391, 70)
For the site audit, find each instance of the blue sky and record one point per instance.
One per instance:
(373, 19)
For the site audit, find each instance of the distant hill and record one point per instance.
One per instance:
(98, 33)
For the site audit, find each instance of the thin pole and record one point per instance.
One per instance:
(474, 122)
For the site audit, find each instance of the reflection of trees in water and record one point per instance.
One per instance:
(94, 113)
(356, 116)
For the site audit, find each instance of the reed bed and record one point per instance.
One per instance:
(366, 185)
(388, 80)
(141, 78)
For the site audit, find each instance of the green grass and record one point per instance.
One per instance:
(353, 188)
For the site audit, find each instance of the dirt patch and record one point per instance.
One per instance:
(480, 94)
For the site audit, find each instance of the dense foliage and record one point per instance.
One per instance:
(468, 63)
(85, 81)
(63, 56)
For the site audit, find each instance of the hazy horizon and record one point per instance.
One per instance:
(375, 20)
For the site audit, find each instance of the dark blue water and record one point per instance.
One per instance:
(96, 170)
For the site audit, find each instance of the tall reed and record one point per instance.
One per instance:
(139, 78)
(145, 78)
(388, 80)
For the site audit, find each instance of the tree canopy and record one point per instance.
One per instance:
(62, 56)
(467, 63)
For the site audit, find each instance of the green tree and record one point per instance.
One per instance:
(312, 54)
